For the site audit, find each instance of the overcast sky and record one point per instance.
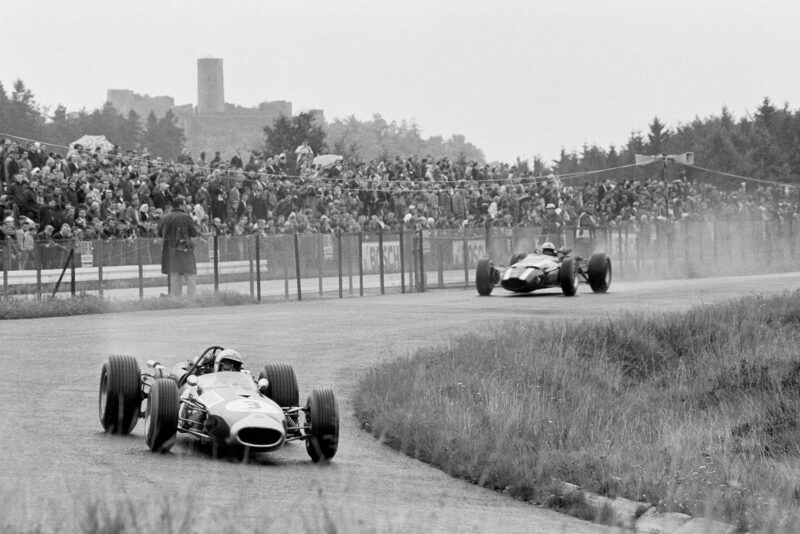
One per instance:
(517, 78)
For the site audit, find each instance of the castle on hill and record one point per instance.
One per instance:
(213, 125)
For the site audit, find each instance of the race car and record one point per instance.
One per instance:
(230, 410)
(539, 270)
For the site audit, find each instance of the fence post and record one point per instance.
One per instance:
(285, 258)
(320, 256)
(402, 263)
(380, 258)
(421, 263)
(258, 267)
(622, 254)
(72, 271)
(251, 266)
(141, 269)
(297, 266)
(466, 260)
(339, 258)
(100, 266)
(441, 261)
(361, 263)
(38, 275)
(6, 260)
(216, 263)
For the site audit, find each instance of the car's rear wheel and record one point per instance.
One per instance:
(568, 277)
(161, 417)
(599, 272)
(484, 277)
(120, 398)
(283, 390)
(323, 431)
(515, 257)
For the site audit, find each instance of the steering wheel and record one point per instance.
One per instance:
(212, 350)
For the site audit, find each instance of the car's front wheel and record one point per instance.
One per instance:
(120, 397)
(161, 417)
(323, 431)
(484, 277)
(568, 277)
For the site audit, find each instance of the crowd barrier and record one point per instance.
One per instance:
(298, 266)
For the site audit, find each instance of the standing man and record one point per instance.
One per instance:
(177, 255)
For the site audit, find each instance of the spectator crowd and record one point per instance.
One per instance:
(91, 194)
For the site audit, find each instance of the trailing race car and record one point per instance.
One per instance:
(550, 268)
(228, 409)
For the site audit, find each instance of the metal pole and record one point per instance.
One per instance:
(141, 269)
(380, 258)
(421, 263)
(320, 255)
(216, 263)
(297, 267)
(361, 263)
(339, 254)
(100, 266)
(6, 261)
(38, 275)
(466, 260)
(441, 261)
(402, 263)
(258, 267)
(72, 271)
(285, 258)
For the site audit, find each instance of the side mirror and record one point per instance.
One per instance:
(191, 380)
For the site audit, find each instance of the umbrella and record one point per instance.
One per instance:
(91, 143)
(326, 160)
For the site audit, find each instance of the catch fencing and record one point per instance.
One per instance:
(303, 266)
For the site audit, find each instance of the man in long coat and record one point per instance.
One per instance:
(178, 264)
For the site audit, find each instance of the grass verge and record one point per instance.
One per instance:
(83, 303)
(694, 412)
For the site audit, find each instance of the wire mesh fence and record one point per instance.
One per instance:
(306, 266)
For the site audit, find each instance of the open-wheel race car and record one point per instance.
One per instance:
(528, 272)
(228, 409)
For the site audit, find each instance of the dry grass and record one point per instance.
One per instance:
(694, 412)
(82, 304)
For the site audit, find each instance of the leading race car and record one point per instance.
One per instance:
(549, 268)
(228, 409)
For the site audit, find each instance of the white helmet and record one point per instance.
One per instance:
(228, 360)
(549, 249)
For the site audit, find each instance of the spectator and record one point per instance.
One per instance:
(177, 256)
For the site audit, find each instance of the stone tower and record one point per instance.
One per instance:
(210, 86)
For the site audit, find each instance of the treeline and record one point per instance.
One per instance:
(764, 145)
(22, 116)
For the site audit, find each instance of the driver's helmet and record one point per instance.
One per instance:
(549, 249)
(228, 360)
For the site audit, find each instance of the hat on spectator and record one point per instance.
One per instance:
(550, 205)
(8, 219)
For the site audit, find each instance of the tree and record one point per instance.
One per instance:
(23, 114)
(162, 137)
(657, 137)
(286, 134)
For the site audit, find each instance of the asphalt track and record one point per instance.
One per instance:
(54, 458)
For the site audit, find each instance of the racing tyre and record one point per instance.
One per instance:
(484, 275)
(599, 272)
(323, 431)
(161, 417)
(120, 394)
(282, 384)
(568, 277)
(283, 390)
(515, 257)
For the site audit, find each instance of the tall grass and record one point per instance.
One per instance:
(694, 412)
